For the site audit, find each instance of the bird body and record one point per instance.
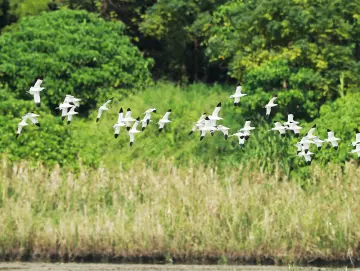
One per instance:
(356, 150)
(128, 119)
(238, 94)
(306, 155)
(357, 139)
(270, 105)
(164, 120)
(120, 123)
(295, 128)
(22, 124)
(246, 130)
(71, 113)
(290, 120)
(280, 128)
(35, 91)
(241, 138)
(208, 127)
(332, 139)
(198, 124)
(147, 118)
(224, 130)
(133, 131)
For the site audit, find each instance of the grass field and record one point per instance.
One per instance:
(192, 214)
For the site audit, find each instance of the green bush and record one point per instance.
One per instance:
(76, 52)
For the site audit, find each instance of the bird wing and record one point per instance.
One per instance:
(34, 120)
(290, 118)
(117, 129)
(135, 125)
(64, 112)
(216, 111)
(99, 113)
(109, 101)
(278, 125)
(357, 147)
(120, 117)
(128, 114)
(358, 137)
(334, 143)
(147, 116)
(166, 116)
(238, 90)
(38, 83)
(330, 135)
(311, 131)
(69, 117)
(37, 97)
(132, 137)
(272, 100)
(268, 110)
(203, 132)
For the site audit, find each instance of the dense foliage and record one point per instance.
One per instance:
(76, 52)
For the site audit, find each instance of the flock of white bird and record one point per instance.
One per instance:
(205, 124)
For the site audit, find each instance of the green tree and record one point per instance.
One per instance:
(179, 27)
(76, 52)
(311, 47)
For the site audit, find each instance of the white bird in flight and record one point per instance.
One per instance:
(200, 123)
(356, 150)
(35, 91)
(72, 99)
(215, 115)
(280, 128)
(310, 135)
(128, 119)
(290, 120)
(164, 120)
(71, 113)
(103, 108)
(133, 131)
(22, 124)
(241, 138)
(357, 139)
(208, 127)
(238, 94)
(306, 155)
(64, 107)
(247, 129)
(120, 123)
(33, 118)
(147, 118)
(295, 128)
(332, 139)
(270, 104)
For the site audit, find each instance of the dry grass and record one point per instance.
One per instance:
(192, 213)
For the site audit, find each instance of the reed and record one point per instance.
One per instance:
(192, 213)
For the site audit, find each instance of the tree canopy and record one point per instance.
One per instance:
(76, 52)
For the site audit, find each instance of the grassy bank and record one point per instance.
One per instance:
(188, 214)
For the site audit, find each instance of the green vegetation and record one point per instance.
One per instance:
(187, 214)
(62, 191)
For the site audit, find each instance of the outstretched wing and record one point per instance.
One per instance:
(38, 83)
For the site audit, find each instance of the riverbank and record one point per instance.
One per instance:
(138, 267)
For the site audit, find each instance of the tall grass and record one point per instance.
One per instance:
(189, 213)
